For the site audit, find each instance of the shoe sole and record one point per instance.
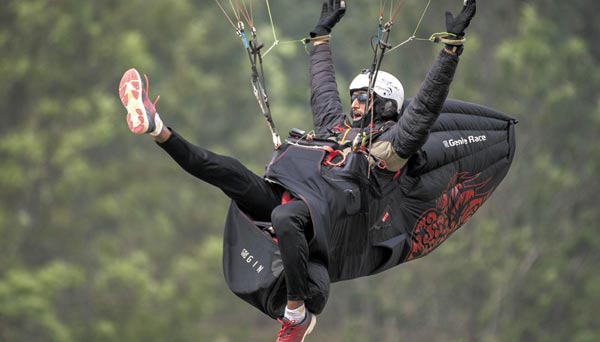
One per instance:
(311, 326)
(130, 92)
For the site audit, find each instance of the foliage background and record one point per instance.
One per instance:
(103, 238)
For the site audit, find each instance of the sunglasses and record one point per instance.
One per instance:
(361, 97)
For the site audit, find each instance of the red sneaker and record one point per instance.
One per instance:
(141, 113)
(292, 332)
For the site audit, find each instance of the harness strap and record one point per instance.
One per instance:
(331, 155)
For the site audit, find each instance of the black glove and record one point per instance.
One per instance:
(331, 14)
(458, 25)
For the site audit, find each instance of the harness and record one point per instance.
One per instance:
(341, 141)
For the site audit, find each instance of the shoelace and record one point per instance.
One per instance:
(288, 330)
(148, 88)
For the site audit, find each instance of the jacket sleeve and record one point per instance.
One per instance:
(324, 99)
(412, 129)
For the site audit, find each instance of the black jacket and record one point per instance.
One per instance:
(400, 140)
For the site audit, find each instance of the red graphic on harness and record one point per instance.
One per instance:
(461, 199)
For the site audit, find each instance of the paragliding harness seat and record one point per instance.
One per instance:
(365, 225)
(252, 260)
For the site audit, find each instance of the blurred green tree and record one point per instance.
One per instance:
(103, 238)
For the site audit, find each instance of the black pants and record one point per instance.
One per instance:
(259, 199)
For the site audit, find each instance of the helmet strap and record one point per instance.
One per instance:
(387, 110)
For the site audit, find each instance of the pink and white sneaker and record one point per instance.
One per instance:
(141, 113)
(296, 332)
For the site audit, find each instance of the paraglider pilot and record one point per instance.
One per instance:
(399, 134)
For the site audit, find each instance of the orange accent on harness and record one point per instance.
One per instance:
(331, 154)
(385, 217)
(286, 197)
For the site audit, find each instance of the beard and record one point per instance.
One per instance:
(362, 119)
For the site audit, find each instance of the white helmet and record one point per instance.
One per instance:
(386, 86)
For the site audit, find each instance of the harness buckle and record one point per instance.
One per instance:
(333, 154)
